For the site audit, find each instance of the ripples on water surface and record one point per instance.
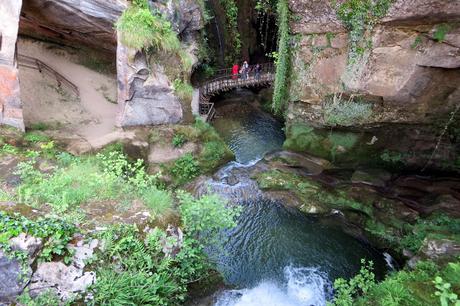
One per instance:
(276, 255)
(250, 135)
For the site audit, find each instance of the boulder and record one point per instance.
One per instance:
(145, 96)
(312, 165)
(13, 278)
(437, 250)
(66, 281)
(29, 244)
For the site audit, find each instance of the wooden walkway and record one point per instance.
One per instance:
(31, 62)
(226, 81)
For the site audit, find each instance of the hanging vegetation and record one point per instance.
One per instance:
(231, 14)
(140, 29)
(280, 94)
(360, 16)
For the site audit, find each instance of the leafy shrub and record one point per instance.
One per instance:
(212, 155)
(35, 137)
(444, 292)
(40, 126)
(137, 272)
(360, 16)
(426, 284)
(55, 233)
(437, 224)
(48, 298)
(67, 187)
(206, 217)
(48, 149)
(183, 90)
(185, 168)
(360, 284)
(178, 140)
(80, 180)
(338, 111)
(9, 149)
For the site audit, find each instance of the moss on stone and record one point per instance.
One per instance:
(314, 198)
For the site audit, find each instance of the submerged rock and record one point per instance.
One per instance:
(312, 165)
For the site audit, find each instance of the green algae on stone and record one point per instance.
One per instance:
(314, 198)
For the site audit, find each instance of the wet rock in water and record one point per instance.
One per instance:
(312, 165)
(374, 177)
(13, 278)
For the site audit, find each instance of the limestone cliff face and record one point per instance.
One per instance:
(406, 74)
(406, 83)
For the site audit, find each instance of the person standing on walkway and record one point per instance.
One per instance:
(235, 71)
(257, 70)
(245, 70)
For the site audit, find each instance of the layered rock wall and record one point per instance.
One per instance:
(145, 82)
(10, 102)
(405, 72)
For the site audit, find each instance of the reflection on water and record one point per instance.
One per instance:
(250, 134)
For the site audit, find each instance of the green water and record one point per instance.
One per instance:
(250, 134)
(277, 255)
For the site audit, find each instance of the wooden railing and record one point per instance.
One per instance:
(224, 80)
(31, 62)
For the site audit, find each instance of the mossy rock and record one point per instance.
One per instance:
(334, 145)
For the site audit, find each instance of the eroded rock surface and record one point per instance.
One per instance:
(87, 22)
(65, 280)
(407, 74)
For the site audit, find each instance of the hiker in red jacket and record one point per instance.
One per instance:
(235, 71)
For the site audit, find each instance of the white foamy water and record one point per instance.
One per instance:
(302, 287)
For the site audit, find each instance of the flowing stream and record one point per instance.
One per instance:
(276, 255)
